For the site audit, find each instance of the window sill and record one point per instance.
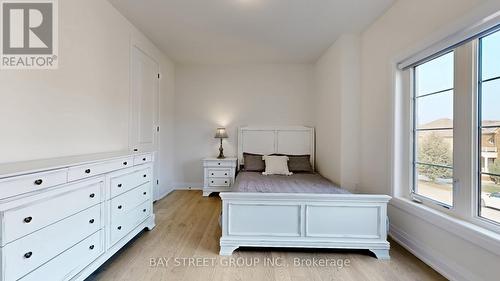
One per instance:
(475, 234)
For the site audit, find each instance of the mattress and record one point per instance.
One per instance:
(296, 183)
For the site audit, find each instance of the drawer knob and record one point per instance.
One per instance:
(144, 210)
(28, 255)
(143, 176)
(212, 174)
(119, 227)
(125, 163)
(91, 247)
(28, 219)
(92, 195)
(225, 174)
(135, 149)
(212, 181)
(225, 181)
(38, 182)
(119, 185)
(218, 163)
(87, 171)
(144, 193)
(91, 221)
(143, 159)
(119, 206)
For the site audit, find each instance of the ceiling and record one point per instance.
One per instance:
(248, 31)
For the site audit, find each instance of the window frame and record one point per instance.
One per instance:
(478, 126)
(463, 219)
(414, 135)
(467, 137)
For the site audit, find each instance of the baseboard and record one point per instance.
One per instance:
(161, 196)
(188, 186)
(434, 259)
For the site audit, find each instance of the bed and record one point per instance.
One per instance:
(298, 211)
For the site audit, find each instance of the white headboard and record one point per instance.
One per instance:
(291, 140)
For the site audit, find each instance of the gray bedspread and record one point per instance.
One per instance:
(296, 183)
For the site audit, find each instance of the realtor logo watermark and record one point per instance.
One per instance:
(29, 34)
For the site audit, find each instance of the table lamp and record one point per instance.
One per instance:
(221, 134)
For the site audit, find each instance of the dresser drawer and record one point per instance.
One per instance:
(26, 219)
(125, 182)
(23, 184)
(71, 261)
(129, 200)
(217, 182)
(85, 171)
(216, 163)
(142, 159)
(128, 222)
(26, 254)
(219, 173)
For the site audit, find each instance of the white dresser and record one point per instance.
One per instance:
(63, 218)
(218, 174)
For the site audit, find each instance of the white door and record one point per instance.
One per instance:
(144, 104)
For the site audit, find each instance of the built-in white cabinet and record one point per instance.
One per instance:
(144, 108)
(144, 100)
(61, 219)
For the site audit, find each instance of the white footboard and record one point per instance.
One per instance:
(352, 221)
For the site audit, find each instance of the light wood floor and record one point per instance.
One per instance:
(187, 227)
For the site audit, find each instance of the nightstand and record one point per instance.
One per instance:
(218, 174)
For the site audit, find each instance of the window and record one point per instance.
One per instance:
(433, 130)
(489, 126)
(450, 104)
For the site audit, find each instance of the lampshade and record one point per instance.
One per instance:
(221, 133)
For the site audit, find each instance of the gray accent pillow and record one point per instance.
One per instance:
(253, 162)
(299, 163)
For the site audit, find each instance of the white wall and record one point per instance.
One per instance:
(208, 96)
(83, 106)
(336, 107)
(166, 137)
(403, 26)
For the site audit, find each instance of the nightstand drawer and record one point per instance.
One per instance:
(219, 163)
(219, 173)
(217, 182)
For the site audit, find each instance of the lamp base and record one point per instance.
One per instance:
(221, 151)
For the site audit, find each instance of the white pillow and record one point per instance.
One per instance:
(276, 165)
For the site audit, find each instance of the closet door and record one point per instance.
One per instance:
(144, 107)
(143, 135)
